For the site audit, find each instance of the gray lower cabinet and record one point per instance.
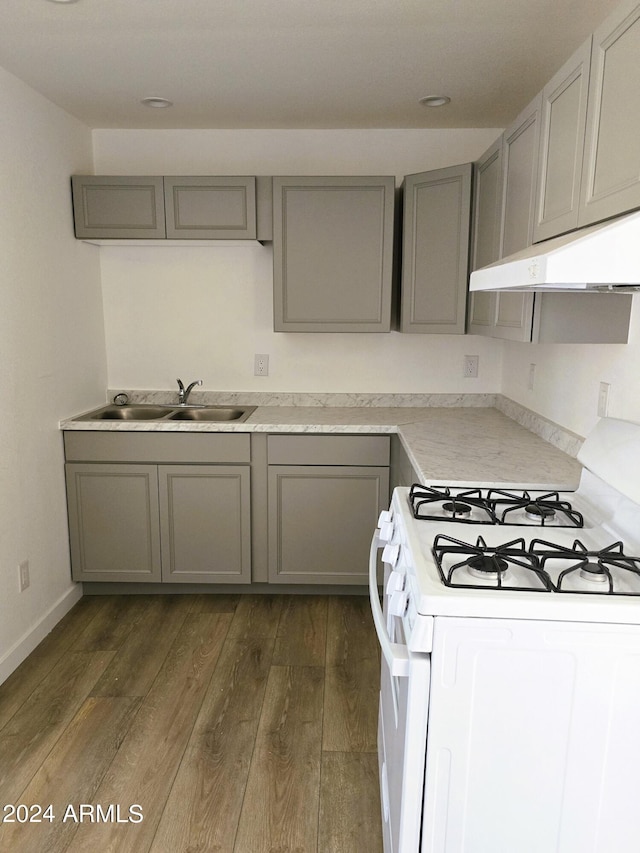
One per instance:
(324, 497)
(114, 531)
(403, 471)
(333, 253)
(150, 507)
(435, 250)
(611, 168)
(184, 208)
(204, 523)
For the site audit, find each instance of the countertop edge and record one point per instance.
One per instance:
(435, 439)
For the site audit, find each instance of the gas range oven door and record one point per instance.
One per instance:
(403, 713)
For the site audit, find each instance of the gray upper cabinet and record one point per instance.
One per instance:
(333, 253)
(514, 311)
(564, 111)
(183, 208)
(210, 208)
(113, 207)
(435, 250)
(611, 172)
(485, 247)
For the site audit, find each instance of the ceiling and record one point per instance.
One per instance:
(292, 63)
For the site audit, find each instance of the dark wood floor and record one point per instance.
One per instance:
(192, 723)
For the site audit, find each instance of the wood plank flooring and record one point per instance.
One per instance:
(194, 724)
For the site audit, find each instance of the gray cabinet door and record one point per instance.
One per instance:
(205, 523)
(435, 250)
(333, 253)
(611, 171)
(485, 248)
(113, 207)
(209, 208)
(113, 522)
(321, 520)
(514, 311)
(564, 110)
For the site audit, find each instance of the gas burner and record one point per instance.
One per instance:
(487, 566)
(456, 509)
(430, 503)
(506, 567)
(593, 572)
(546, 510)
(539, 513)
(609, 568)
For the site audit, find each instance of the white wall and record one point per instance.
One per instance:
(52, 360)
(204, 313)
(568, 377)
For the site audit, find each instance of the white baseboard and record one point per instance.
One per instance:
(27, 643)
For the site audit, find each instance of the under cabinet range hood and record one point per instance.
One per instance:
(604, 257)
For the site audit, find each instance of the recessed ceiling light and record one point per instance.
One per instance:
(435, 100)
(156, 103)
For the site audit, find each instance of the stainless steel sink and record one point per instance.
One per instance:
(141, 412)
(212, 413)
(147, 412)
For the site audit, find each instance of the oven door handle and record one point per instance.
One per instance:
(396, 655)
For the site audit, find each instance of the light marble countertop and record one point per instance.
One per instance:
(471, 445)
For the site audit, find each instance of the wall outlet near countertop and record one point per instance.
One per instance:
(532, 376)
(470, 366)
(23, 570)
(603, 399)
(260, 365)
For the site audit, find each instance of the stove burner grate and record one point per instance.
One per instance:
(543, 510)
(494, 566)
(438, 504)
(596, 567)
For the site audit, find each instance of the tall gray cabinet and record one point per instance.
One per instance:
(333, 247)
(485, 244)
(611, 168)
(564, 111)
(435, 250)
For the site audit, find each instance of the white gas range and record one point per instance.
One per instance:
(510, 685)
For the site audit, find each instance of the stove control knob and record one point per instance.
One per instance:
(386, 531)
(398, 603)
(390, 554)
(395, 583)
(385, 517)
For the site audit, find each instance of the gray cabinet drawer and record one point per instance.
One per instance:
(90, 446)
(328, 450)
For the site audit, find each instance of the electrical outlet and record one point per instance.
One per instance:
(260, 365)
(603, 399)
(23, 570)
(532, 376)
(470, 366)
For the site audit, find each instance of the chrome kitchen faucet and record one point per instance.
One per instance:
(183, 394)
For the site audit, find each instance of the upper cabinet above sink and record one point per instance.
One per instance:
(113, 207)
(333, 243)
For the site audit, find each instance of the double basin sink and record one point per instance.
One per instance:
(147, 412)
